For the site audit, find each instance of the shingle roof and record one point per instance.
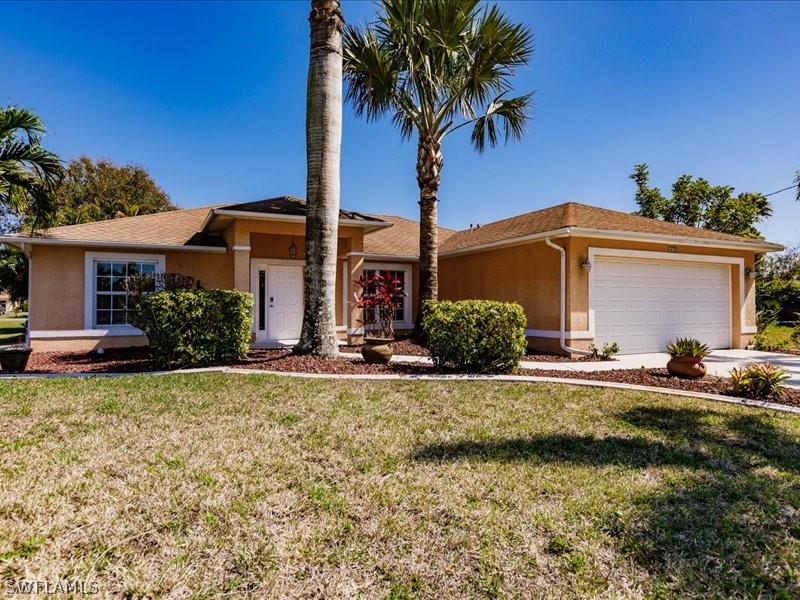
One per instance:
(577, 215)
(289, 205)
(183, 228)
(401, 239)
(177, 227)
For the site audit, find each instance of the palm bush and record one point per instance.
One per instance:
(759, 381)
(684, 347)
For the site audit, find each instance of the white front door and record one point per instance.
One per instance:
(278, 295)
(285, 302)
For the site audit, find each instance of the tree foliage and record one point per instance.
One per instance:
(433, 67)
(13, 273)
(97, 190)
(697, 203)
(778, 284)
(28, 172)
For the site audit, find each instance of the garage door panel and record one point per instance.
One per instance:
(642, 304)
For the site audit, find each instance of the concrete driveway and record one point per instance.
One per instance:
(719, 362)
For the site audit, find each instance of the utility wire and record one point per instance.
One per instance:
(779, 191)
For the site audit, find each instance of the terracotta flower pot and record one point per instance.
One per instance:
(14, 359)
(376, 351)
(686, 367)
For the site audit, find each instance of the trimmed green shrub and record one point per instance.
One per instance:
(196, 328)
(476, 336)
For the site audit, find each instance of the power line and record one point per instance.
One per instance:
(779, 191)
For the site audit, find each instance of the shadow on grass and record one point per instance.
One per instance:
(724, 524)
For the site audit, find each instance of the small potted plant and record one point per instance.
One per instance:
(14, 358)
(687, 356)
(379, 296)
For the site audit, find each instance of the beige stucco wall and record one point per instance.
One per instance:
(530, 275)
(527, 274)
(58, 280)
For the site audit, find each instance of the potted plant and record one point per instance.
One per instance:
(379, 296)
(14, 358)
(687, 356)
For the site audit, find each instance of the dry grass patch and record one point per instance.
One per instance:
(256, 486)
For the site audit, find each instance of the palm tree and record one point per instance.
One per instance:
(28, 172)
(435, 67)
(323, 150)
(797, 183)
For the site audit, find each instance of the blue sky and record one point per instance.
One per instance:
(210, 98)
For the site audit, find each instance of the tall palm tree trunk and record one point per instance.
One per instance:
(429, 168)
(323, 150)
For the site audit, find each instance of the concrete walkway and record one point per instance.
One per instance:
(719, 362)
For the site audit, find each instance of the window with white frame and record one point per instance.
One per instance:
(402, 316)
(107, 298)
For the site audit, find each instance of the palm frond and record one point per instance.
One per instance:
(15, 120)
(506, 118)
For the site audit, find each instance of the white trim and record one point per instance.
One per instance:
(140, 246)
(516, 241)
(754, 246)
(256, 265)
(404, 257)
(123, 330)
(408, 323)
(552, 333)
(340, 329)
(345, 279)
(89, 280)
(748, 329)
(242, 248)
(675, 257)
(618, 235)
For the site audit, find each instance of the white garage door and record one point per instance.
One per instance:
(642, 304)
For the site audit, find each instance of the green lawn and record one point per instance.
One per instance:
(778, 336)
(12, 329)
(258, 486)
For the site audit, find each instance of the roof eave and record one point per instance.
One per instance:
(242, 214)
(755, 245)
(18, 241)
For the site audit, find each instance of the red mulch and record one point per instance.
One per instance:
(402, 346)
(137, 360)
(710, 384)
(558, 358)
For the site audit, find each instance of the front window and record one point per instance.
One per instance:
(111, 298)
(402, 275)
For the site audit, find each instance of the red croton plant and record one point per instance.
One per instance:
(379, 295)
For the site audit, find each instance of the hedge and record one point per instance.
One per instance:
(476, 336)
(196, 328)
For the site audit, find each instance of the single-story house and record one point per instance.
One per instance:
(583, 274)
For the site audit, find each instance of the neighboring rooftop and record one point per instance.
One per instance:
(580, 216)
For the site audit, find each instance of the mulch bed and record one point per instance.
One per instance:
(402, 346)
(710, 384)
(558, 358)
(137, 360)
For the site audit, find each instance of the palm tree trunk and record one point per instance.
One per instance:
(323, 150)
(429, 168)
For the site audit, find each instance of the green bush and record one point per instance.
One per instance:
(476, 336)
(196, 328)
(759, 381)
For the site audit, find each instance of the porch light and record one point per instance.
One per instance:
(292, 249)
(751, 273)
(586, 265)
